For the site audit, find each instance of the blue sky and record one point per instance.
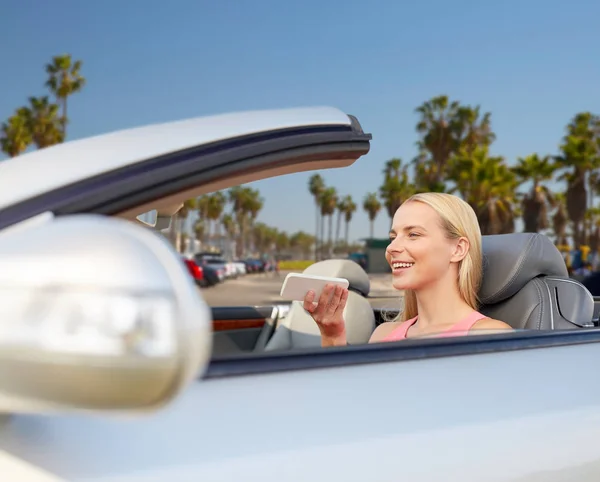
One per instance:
(532, 63)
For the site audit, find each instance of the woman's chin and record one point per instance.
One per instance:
(401, 284)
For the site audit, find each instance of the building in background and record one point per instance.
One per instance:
(375, 254)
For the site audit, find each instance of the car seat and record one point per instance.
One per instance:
(526, 284)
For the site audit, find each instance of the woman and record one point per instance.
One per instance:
(435, 256)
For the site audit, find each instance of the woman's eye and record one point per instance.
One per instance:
(413, 235)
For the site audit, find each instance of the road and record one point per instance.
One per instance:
(263, 289)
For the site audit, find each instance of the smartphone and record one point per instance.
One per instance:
(296, 285)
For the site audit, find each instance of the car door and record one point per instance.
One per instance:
(488, 408)
(503, 408)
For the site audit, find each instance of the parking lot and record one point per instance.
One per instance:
(263, 289)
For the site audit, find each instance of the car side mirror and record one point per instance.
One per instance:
(155, 220)
(96, 313)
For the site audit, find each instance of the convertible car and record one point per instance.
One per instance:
(113, 368)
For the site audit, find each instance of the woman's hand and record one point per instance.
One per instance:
(328, 313)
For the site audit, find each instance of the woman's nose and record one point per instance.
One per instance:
(395, 246)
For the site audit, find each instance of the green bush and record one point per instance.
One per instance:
(294, 265)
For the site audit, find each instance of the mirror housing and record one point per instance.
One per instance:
(96, 313)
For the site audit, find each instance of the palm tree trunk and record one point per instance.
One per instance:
(338, 227)
(322, 234)
(317, 233)
(346, 233)
(64, 119)
(372, 223)
(331, 235)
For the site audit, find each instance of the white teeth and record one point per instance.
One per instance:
(402, 265)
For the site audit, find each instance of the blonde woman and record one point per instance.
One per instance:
(436, 259)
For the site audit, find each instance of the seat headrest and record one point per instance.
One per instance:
(510, 261)
(343, 268)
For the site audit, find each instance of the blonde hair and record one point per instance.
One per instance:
(458, 220)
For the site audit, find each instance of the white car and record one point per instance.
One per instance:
(240, 267)
(112, 368)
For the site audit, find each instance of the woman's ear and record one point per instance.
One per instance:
(461, 249)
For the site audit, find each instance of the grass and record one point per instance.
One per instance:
(295, 265)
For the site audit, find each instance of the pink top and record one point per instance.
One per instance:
(460, 328)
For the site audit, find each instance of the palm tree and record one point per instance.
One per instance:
(372, 206)
(202, 209)
(316, 186)
(282, 241)
(560, 219)
(446, 128)
(579, 156)
(396, 187)
(246, 203)
(593, 229)
(302, 242)
(237, 197)
(436, 126)
(230, 230)
(350, 206)
(254, 204)
(178, 223)
(341, 209)
(64, 80)
(214, 210)
(488, 185)
(16, 135)
(200, 231)
(537, 202)
(329, 200)
(592, 218)
(43, 121)
(472, 129)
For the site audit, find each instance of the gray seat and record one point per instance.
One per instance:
(298, 329)
(526, 284)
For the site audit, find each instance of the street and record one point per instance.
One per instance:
(263, 289)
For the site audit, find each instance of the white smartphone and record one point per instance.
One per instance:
(296, 285)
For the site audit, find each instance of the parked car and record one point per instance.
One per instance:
(149, 384)
(212, 276)
(240, 267)
(252, 265)
(195, 271)
(217, 263)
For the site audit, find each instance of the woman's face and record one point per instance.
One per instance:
(420, 253)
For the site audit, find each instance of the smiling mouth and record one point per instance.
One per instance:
(401, 265)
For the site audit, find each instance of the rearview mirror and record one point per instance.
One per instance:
(96, 313)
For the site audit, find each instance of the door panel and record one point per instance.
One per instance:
(519, 416)
(239, 329)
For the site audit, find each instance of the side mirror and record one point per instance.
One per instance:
(154, 220)
(96, 313)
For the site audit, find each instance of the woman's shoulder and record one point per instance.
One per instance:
(491, 324)
(384, 330)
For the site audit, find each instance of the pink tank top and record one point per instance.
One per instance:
(460, 328)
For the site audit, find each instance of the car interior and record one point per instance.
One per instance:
(525, 283)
